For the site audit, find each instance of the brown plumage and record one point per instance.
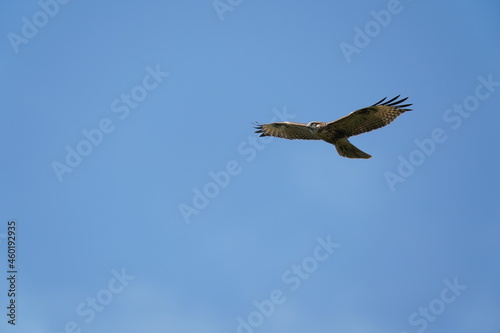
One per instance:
(337, 132)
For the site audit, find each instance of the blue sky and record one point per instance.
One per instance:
(143, 201)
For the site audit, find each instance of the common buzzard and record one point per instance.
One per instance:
(337, 132)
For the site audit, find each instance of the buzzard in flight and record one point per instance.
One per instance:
(337, 132)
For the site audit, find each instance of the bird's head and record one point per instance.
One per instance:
(314, 126)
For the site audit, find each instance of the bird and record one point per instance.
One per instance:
(337, 132)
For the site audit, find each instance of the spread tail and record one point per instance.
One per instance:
(347, 149)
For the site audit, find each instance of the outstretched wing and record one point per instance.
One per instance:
(286, 130)
(370, 118)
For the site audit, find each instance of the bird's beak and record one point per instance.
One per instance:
(311, 127)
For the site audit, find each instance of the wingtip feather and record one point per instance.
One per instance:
(394, 102)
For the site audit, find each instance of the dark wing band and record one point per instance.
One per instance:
(286, 130)
(367, 119)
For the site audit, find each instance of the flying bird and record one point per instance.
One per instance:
(337, 132)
